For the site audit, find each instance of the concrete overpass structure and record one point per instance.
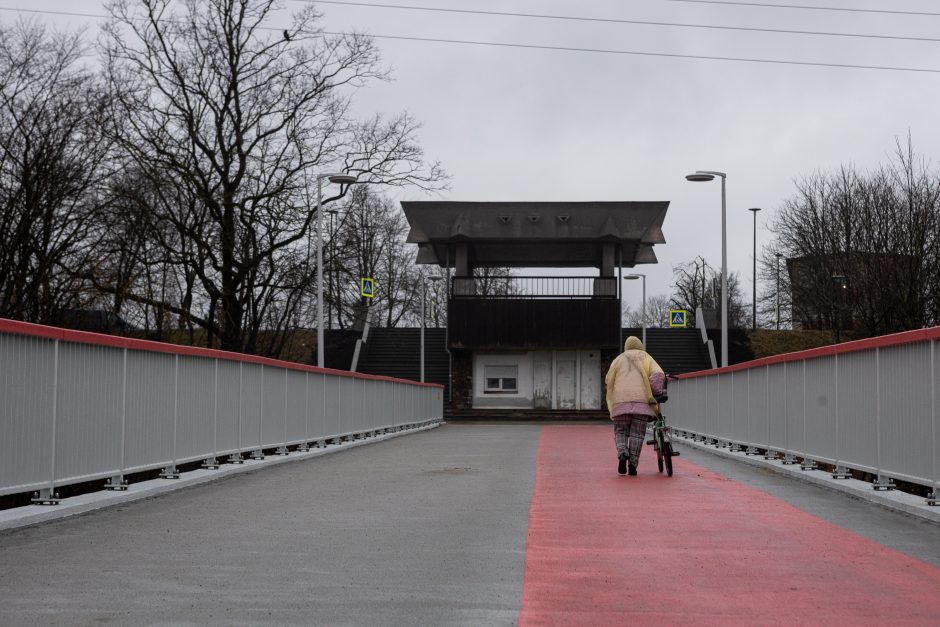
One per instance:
(399, 521)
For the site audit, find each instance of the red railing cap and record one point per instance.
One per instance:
(100, 339)
(882, 341)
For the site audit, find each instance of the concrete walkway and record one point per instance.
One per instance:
(427, 529)
(479, 525)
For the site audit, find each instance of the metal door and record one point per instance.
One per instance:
(590, 379)
(542, 380)
(566, 369)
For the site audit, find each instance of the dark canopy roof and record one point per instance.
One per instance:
(535, 234)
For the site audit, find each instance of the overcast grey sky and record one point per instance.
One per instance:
(514, 124)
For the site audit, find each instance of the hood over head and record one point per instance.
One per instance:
(633, 343)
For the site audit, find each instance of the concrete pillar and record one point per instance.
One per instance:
(608, 259)
(462, 260)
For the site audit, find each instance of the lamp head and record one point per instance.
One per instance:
(699, 177)
(754, 209)
(631, 277)
(341, 179)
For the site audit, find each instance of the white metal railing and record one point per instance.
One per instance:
(870, 405)
(78, 407)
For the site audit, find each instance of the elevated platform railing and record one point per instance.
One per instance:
(534, 287)
(78, 407)
(869, 405)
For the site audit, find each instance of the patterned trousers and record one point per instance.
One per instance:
(630, 434)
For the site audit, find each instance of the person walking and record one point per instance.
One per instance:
(633, 381)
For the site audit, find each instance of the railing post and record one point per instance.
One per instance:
(118, 482)
(751, 449)
(212, 463)
(305, 445)
(170, 472)
(807, 464)
(258, 453)
(840, 471)
(733, 445)
(788, 459)
(768, 452)
(236, 457)
(933, 498)
(48, 496)
(282, 450)
(881, 482)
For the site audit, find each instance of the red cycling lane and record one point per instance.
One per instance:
(697, 548)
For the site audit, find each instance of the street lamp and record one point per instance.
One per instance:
(779, 255)
(754, 210)
(339, 179)
(840, 300)
(633, 277)
(701, 176)
(424, 290)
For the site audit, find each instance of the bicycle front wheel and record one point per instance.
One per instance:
(667, 456)
(659, 451)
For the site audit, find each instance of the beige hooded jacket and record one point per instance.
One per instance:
(633, 378)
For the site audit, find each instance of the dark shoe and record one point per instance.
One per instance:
(632, 470)
(622, 466)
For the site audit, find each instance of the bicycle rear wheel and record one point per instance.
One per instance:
(667, 456)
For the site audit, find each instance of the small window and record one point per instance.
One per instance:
(501, 379)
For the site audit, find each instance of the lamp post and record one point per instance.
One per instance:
(329, 313)
(424, 291)
(840, 300)
(778, 255)
(633, 277)
(754, 210)
(339, 179)
(701, 176)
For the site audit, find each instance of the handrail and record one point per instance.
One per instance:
(77, 406)
(115, 341)
(871, 405)
(882, 341)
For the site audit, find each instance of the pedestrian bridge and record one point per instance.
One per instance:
(356, 506)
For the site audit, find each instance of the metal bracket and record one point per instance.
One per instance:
(808, 464)
(304, 447)
(788, 460)
(282, 451)
(210, 463)
(170, 472)
(932, 499)
(841, 472)
(883, 483)
(116, 483)
(735, 447)
(236, 458)
(257, 454)
(751, 450)
(770, 455)
(45, 496)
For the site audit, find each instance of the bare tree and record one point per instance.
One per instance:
(657, 313)
(879, 230)
(216, 109)
(697, 284)
(53, 165)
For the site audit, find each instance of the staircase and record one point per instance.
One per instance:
(397, 353)
(675, 350)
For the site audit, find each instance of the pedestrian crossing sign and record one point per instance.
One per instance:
(367, 287)
(678, 318)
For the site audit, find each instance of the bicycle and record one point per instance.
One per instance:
(662, 437)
